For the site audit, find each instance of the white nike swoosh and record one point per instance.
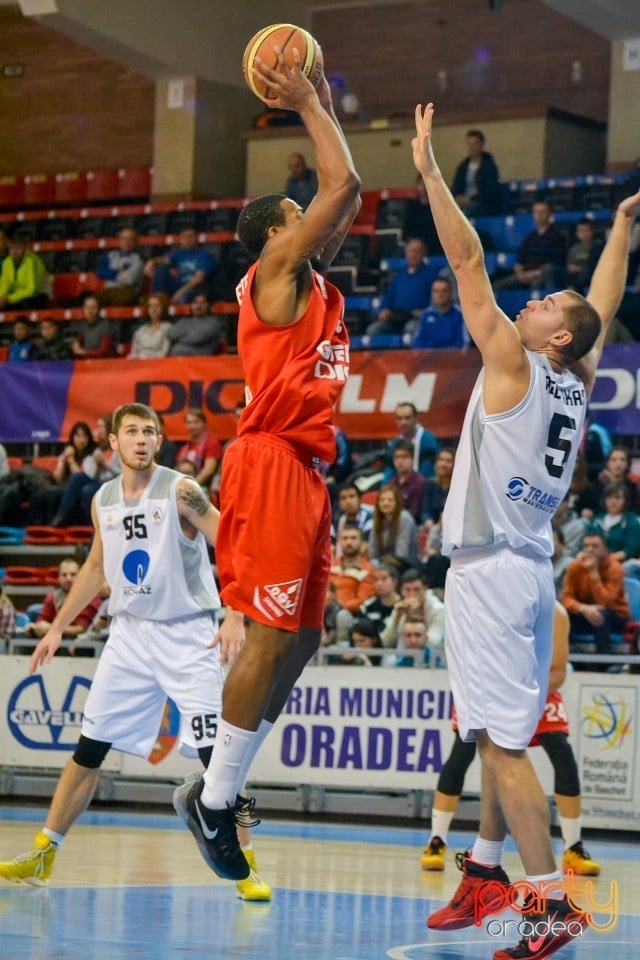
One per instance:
(209, 834)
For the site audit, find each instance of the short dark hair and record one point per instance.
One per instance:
(407, 403)
(409, 576)
(583, 322)
(404, 445)
(140, 410)
(476, 133)
(350, 486)
(613, 489)
(350, 525)
(595, 532)
(256, 219)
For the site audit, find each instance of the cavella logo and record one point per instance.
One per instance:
(279, 598)
(40, 725)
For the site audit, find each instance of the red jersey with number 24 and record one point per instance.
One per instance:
(294, 374)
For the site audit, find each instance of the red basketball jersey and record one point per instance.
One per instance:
(294, 374)
(554, 719)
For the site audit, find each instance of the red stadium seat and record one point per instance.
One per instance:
(11, 191)
(78, 534)
(71, 187)
(102, 184)
(135, 182)
(39, 189)
(45, 463)
(26, 576)
(44, 535)
(66, 287)
(4, 354)
(368, 213)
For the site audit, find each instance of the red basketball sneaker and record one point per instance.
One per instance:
(546, 932)
(482, 891)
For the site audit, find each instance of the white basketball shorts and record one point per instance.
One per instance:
(143, 663)
(499, 606)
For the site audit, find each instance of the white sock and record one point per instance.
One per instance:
(262, 733)
(487, 852)
(440, 823)
(222, 776)
(56, 838)
(545, 879)
(571, 829)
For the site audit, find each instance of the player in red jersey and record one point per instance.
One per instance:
(273, 546)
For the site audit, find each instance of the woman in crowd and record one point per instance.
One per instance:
(394, 533)
(76, 458)
(150, 340)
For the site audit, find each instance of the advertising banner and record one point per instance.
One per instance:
(344, 727)
(50, 397)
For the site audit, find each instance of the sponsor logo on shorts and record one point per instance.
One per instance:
(279, 598)
(520, 489)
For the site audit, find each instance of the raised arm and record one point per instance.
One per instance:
(87, 584)
(608, 283)
(494, 334)
(338, 186)
(195, 509)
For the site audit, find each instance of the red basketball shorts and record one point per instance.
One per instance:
(273, 548)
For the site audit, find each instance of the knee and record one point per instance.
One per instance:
(90, 753)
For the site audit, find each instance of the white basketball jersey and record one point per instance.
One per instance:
(513, 469)
(154, 570)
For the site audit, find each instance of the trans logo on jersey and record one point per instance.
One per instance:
(41, 718)
(135, 567)
(520, 489)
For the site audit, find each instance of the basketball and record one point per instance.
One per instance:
(289, 38)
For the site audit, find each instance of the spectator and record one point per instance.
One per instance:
(425, 445)
(379, 607)
(4, 242)
(7, 620)
(151, 340)
(413, 636)
(199, 335)
(561, 560)
(441, 325)
(594, 594)
(353, 510)
(94, 339)
(419, 601)
(76, 499)
(188, 269)
(597, 446)
(202, 448)
(4, 462)
(122, 269)
(67, 572)
(76, 458)
(24, 282)
(619, 526)
(408, 294)
(168, 452)
(331, 610)
(409, 483)
(476, 186)
(541, 255)
(352, 576)
(571, 526)
(583, 256)
(342, 466)
(302, 184)
(437, 488)
(50, 345)
(364, 636)
(395, 533)
(21, 347)
(418, 221)
(616, 470)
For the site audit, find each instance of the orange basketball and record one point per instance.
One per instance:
(289, 38)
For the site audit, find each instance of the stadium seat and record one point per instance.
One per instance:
(11, 191)
(44, 535)
(70, 187)
(78, 534)
(39, 189)
(11, 536)
(102, 185)
(134, 183)
(45, 463)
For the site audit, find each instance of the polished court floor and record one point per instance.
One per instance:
(133, 887)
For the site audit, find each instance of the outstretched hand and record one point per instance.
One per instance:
(289, 86)
(631, 205)
(423, 157)
(230, 637)
(45, 650)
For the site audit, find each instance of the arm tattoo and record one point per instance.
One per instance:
(194, 498)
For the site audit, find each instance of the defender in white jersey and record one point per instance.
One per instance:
(513, 467)
(151, 531)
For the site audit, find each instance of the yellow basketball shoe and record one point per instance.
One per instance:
(34, 867)
(433, 855)
(576, 858)
(253, 888)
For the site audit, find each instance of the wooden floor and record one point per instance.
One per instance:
(132, 887)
